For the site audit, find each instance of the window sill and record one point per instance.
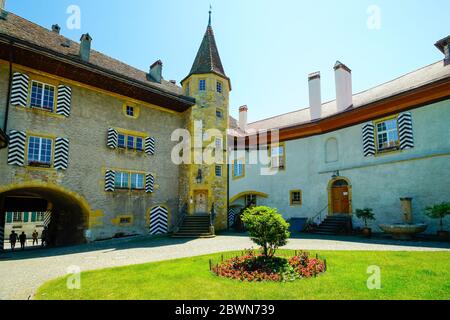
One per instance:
(39, 165)
(388, 151)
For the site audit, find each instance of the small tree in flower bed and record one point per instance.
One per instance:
(267, 228)
(256, 268)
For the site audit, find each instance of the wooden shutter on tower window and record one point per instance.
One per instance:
(405, 131)
(19, 89)
(368, 133)
(64, 100)
(16, 148)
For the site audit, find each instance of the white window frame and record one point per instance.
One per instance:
(391, 144)
(136, 186)
(39, 160)
(17, 217)
(41, 107)
(122, 174)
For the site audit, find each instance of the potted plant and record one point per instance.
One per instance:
(439, 211)
(366, 214)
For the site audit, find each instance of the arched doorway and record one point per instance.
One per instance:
(340, 196)
(64, 213)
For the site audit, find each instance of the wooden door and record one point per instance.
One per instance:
(340, 200)
(201, 202)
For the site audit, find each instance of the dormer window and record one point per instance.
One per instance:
(202, 85)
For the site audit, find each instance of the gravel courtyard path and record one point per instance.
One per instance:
(21, 273)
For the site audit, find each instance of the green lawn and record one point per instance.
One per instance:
(404, 275)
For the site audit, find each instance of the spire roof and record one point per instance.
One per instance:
(208, 59)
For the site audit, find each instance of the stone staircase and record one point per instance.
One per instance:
(334, 225)
(195, 226)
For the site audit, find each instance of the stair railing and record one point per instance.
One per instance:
(180, 221)
(318, 216)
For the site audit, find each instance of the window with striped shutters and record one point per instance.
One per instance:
(19, 89)
(16, 148)
(149, 183)
(64, 100)
(61, 161)
(150, 144)
(368, 133)
(110, 177)
(405, 131)
(112, 138)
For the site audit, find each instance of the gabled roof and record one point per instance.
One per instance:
(19, 29)
(410, 81)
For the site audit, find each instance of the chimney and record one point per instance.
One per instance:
(3, 12)
(444, 46)
(243, 118)
(85, 47)
(155, 73)
(55, 28)
(315, 96)
(344, 92)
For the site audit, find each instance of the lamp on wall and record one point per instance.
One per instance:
(199, 176)
(336, 174)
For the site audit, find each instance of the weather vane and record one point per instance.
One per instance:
(210, 11)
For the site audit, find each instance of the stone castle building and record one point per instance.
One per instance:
(90, 145)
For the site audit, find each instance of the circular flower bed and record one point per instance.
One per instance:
(255, 267)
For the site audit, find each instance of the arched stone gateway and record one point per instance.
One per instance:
(66, 213)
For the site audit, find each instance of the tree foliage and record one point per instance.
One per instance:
(365, 214)
(267, 228)
(439, 211)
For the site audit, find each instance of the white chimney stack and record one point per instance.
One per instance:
(344, 92)
(315, 96)
(243, 118)
(2, 4)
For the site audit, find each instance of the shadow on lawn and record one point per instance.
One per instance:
(151, 242)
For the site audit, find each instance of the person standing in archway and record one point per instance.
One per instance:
(23, 240)
(13, 240)
(35, 236)
(44, 236)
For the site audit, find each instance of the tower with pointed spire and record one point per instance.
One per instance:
(204, 183)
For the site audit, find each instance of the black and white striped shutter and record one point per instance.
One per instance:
(61, 153)
(2, 236)
(19, 89)
(16, 148)
(368, 132)
(150, 145)
(159, 217)
(64, 100)
(149, 183)
(231, 217)
(110, 177)
(47, 218)
(405, 131)
(112, 138)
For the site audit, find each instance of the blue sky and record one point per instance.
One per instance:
(268, 48)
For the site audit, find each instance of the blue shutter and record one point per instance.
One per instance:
(19, 89)
(9, 217)
(26, 216)
(33, 216)
(64, 100)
